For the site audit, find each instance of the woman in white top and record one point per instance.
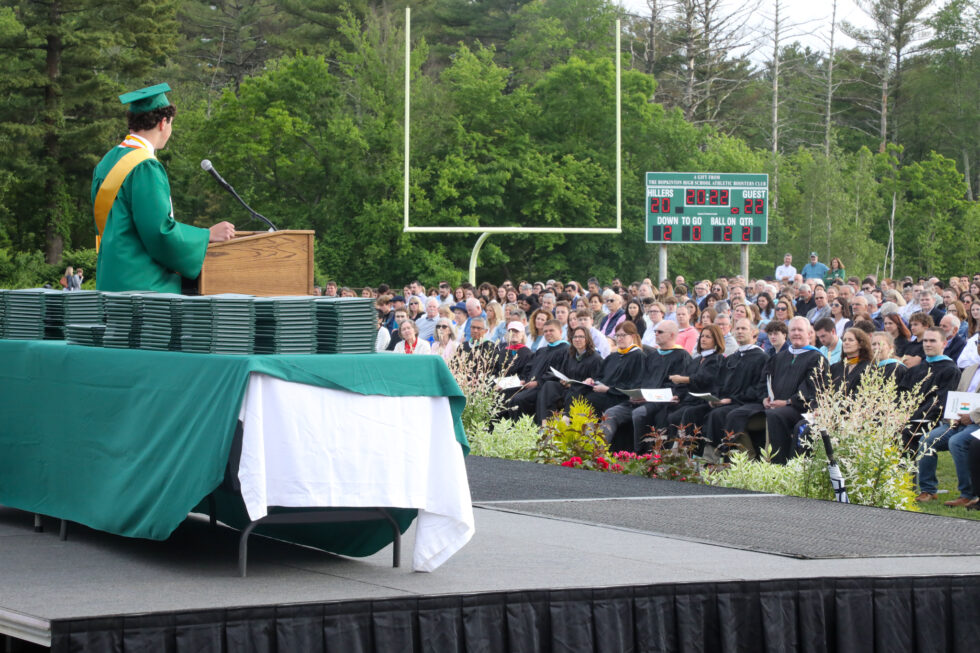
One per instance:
(384, 336)
(445, 339)
(410, 343)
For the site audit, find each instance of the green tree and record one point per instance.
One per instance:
(63, 64)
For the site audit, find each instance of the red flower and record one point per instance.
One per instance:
(602, 462)
(683, 478)
(567, 463)
(617, 467)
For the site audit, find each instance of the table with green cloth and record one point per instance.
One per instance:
(131, 441)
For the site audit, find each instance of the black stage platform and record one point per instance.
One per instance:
(563, 560)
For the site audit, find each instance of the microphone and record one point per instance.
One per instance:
(207, 167)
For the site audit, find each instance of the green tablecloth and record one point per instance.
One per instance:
(129, 441)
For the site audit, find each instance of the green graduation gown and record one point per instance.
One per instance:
(143, 247)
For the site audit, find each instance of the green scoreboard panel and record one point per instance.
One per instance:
(707, 207)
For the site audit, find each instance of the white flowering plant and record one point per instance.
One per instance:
(865, 431)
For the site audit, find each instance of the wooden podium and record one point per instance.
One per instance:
(263, 263)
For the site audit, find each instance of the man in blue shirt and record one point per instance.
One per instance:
(814, 269)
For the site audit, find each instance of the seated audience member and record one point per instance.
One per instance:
(655, 315)
(410, 342)
(536, 329)
(427, 321)
(969, 354)
(950, 325)
(821, 307)
(687, 335)
(384, 335)
(616, 313)
(401, 315)
(793, 375)
(937, 375)
(764, 301)
(805, 301)
(623, 368)
(478, 340)
(724, 324)
(918, 324)
(784, 310)
(896, 328)
(955, 438)
(855, 359)
(669, 359)
(581, 362)
(444, 344)
(883, 350)
(928, 303)
(562, 311)
(539, 371)
(830, 344)
(634, 313)
(840, 312)
(777, 334)
(702, 375)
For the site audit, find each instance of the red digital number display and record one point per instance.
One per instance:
(659, 205)
(727, 234)
(706, 197)
(757, 207)
(668, 231)
(746, 234)
(695, 233)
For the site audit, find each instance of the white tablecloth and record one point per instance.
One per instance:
(307, 446)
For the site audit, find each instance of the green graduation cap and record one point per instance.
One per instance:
(146, 99)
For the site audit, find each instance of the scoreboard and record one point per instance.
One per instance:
(707, 207)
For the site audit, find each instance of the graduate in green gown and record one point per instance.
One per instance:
(142, 247)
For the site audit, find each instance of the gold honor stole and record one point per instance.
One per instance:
(114, 180)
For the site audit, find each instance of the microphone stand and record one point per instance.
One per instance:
(206, 165)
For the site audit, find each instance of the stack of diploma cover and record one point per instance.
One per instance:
(285, 325)
(123, 319)
(218, 324)
(346, 325)
(24, 313)
(162, 314)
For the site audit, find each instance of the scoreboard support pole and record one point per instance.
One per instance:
(662, 274)
(745, 262)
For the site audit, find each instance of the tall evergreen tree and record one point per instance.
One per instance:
(63, 64)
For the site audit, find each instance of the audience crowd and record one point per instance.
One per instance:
(740, 356)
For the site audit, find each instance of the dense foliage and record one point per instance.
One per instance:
(300, 105)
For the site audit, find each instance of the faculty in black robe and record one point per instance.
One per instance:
(580, 362)
(794, 377)
(937, 375)
(668, 359)
(703, 375)
(550, 355)
(741, 382)
(622, 368)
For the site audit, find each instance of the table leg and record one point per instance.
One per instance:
(38, 526)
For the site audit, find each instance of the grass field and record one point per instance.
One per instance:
(947, 481)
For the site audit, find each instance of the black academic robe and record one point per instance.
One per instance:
(618, 371)
(657, 372)
(937, 379)
(794, 379)
(704, 374)
(741, 381)
(539, 370)
(515, 362)
(553, 395)
(839, 375)
(895, 369)
(902, 345)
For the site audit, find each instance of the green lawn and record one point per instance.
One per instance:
(947, 481)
